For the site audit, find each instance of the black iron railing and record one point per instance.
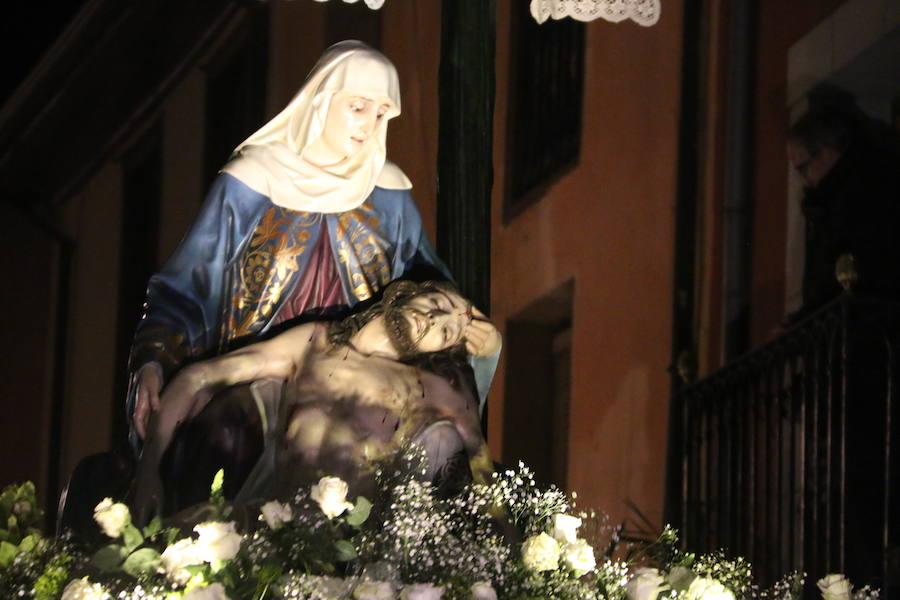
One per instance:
(789, 456)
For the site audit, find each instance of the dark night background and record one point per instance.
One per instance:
(26, 33)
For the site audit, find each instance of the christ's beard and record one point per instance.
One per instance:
(399, 331)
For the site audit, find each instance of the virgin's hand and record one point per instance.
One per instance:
(482, 338)
(146, 397)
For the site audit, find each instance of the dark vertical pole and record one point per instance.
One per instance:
(737, 209)
(841, 434)
(892, 482)
(690, 501)
(58, 394)
(889, 456)
(685, 241)
(465, 145)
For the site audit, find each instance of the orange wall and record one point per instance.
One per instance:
(609, 224)
(411, 38)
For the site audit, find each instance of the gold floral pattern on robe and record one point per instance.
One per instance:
(267, 269)
(361, 252)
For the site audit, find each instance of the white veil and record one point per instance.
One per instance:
(271, 160)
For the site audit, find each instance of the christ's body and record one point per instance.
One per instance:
(347, 398)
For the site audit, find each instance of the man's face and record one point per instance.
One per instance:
(811, 166)
(428, 322)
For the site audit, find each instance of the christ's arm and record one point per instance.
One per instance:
(193, 387)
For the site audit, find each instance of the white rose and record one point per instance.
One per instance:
(483, 590)
(207, 592)
(374, 590)
(217, 541)
(421, 591)
(275, 513)
(564, 528)
(331, 494)
(835, 586)
(112, 517)
(579, 556)
(82, 589)
(540, 552)
(704, 588)
(182, 553)
(645, 584)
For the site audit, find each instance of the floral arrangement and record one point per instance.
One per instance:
(508, 539)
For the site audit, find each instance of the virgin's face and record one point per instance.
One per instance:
(350, 122)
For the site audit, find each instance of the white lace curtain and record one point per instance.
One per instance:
(373, 4)
(642, 12)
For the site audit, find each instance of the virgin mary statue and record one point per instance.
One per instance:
(307, 219)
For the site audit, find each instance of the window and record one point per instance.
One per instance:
(546, 83)
(536, 403)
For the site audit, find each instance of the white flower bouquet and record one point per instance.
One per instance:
(506, 540)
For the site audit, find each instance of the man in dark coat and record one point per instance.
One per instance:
(851, 174)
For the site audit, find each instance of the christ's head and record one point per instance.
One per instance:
(416, 318)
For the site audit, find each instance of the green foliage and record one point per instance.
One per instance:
(7, 553)
(267, 576)
(132, 537)
(28, 542)
(19, 512)
(220, 509)
(110, 557)
(345, 551)
(20, 503)
(141, 562)
(153, 527)
(359, 513)
(215, 490)
(50, 584)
